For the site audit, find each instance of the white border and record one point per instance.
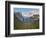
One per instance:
(12, 31)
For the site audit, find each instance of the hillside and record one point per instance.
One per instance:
(22, 22)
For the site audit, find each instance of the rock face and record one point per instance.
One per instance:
(24, 19)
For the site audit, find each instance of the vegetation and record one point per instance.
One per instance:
(25, 25)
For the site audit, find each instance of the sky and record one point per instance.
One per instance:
(24, 10)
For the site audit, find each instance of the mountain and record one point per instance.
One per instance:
(29, 17)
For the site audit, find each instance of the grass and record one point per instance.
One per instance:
(21, 25)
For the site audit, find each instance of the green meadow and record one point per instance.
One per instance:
(22, 25)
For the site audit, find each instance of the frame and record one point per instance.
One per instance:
(23, 6)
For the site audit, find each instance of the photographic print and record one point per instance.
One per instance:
(24, 18)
